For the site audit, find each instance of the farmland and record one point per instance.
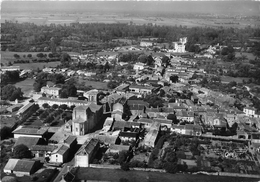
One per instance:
(47, 19)
(116, 175)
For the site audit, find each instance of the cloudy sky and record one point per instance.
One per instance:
(246, 7)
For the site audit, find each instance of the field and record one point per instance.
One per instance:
(46, 19)
(26, 86)
(7, 56)
(34, 66)
(133, 176)
(249, 56)
(94, 84)
(230, 79)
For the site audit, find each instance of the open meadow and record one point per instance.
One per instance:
(47, 19)
(133, 176)
(26, 86)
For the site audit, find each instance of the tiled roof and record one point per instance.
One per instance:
(31, 131)
(88, 147)
(93, 107)
(27, 141)
(24, 165)
(43, 147)
(62, 149)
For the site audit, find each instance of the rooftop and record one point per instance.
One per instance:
(88, 147)
(31, 131)
(24, 165)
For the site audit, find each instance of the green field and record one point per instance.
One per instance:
(235, 79)
(33, 66)
(143, 176)
(46, 19)
(94, 84)
(26, 86)
(7, 56)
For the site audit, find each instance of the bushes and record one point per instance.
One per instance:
(5, 132)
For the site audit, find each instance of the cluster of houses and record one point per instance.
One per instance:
(123, 117)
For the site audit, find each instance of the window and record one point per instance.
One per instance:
(77, 129)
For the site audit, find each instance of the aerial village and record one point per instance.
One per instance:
(159, 118)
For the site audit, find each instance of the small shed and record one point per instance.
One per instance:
(9, 167)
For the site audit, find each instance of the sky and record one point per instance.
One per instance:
(245, 7)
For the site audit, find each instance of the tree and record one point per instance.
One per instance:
(122, 156)
(165, 61)
(40, 55)
(10, 92)
(5, 132)
(63, 106)
(46, 106)
(55, 106)
(16, 56)
(174, 78)
(170, 167)
(29, 55)
(112, 84)
(21, 151)
(124, 166)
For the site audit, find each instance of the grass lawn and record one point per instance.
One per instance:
(26, 85)
(134, 176)
(236, 79)
(33, 66)
(94, 84)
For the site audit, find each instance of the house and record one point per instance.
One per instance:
(164, 122)
(121, 89)
(107, 126)
(85, 118)
(188, 129)
(138, 66)
(42, 150)
(9, 167)
(26, 108)
(150, 138)
(30, 132)
(117, 148)
(60, 154)
(53, 91)
(146, 122)
(48, 70)
(137, 107)
(69, 102)
(139, 89)
(219, 121)
(249, 111)
(14, 108)
(185, 115)
(108, 139)
(86, 153)
(26, 167)
(146, 43)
